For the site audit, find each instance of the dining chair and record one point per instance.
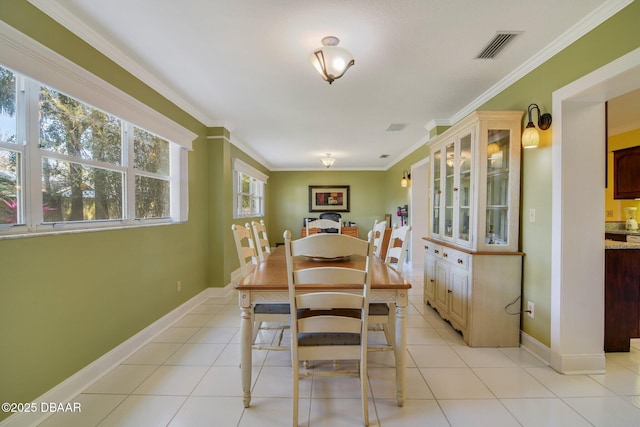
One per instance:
(329, 324)
(324, 226)
(265, 316)
(261, 239)
(381, 315)
(397, 248)
(379, 228)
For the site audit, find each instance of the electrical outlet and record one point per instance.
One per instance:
(609, 214)
(531, 309)
(178, 286)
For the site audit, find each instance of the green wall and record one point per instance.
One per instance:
(67, 299)
(70, 298)
(615, 37)
(289, 201)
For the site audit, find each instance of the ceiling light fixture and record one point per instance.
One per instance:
(330, 60)
(328, 161)
(530, 136)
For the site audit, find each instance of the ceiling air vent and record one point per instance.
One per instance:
(495, 46)
(384, 156)
(396, 127)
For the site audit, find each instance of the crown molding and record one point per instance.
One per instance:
(595, 18)
(54, 10)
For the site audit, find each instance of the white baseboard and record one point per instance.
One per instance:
(75, 384)
(572, 364)
(535, 348)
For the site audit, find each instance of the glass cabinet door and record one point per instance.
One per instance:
(449, 176)
(437, 191)
(497, 214)
(464, 189)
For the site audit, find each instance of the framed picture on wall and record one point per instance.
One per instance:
(323, 198)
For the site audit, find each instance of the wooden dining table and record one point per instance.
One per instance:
(267, 283)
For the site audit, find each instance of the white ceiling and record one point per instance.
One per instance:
(243, 64)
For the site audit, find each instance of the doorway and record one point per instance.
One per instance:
(577, 248)
(419, 215)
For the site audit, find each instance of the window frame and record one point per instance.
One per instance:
(32, 62)
(242, 168)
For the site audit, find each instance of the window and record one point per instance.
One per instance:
(66, 163)
(248, 190)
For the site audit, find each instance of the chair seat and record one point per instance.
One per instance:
(317, 339)
(378, 309)
(271, 309)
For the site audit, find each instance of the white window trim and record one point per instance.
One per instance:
(247, 169)
(40, 63)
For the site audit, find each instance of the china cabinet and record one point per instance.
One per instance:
(472, 265)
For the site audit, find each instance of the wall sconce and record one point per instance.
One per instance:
(406, 177)
(328, 161)
(530, 137)
(330, 60)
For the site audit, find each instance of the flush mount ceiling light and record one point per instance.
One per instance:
(328, 161)
(330, 60)
(530, 136)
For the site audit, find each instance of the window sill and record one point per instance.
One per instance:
(56, 232)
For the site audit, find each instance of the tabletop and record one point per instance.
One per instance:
(272, 273)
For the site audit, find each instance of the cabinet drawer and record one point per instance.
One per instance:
(457, 258)
(434, 249)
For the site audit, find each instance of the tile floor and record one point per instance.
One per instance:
(189, 376)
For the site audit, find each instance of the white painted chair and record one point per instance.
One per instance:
(378, 235)
(381, 315)
(329, 325)
(245, 247)
(265, 316)
(324, 226)
(398, 248)
(261, 239)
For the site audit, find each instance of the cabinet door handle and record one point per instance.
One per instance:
(459, 261)
(437, 251)
(455, 188)
(426, 247)
(449, 291)
(432, 280)
(445, 255)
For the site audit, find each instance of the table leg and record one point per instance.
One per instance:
(401, 352)
(246, 331)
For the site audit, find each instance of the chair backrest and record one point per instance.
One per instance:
(324, 226)
(245, 246)
(328, 246)
(397, 247)
(378, 235)
(261, 239)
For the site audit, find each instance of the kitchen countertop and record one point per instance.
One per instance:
(611, 244)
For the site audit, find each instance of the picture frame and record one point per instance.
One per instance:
(329, 198)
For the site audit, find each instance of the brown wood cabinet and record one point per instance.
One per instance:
(626, 169)
(621, 298)
(349, 231)
(615, 237)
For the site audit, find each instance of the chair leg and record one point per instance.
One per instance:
(364, 390)
(296, 385)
